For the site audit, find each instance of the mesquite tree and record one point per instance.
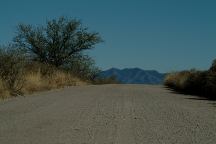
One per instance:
(57, 42)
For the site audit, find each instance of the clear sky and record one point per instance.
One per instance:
(164, 35)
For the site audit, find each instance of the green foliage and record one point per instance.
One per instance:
(57, 42)
(12, 64)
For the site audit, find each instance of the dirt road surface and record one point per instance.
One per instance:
(108, 114)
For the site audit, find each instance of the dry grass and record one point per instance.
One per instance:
(35, 81)
(177, 79)
(4, 93)
(201, 83)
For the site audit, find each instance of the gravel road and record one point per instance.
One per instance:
(108, 114)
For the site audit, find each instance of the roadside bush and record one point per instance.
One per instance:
(12, 64)
(83, 67)
(201, 83)
(210, 85)
(177, 80)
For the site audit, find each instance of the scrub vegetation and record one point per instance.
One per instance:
(47, 57)
(201, 83)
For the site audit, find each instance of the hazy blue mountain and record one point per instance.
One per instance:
(134, 75)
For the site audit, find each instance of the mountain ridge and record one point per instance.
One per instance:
(134, 75)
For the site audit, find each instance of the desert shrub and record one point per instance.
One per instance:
(201, 83)
(210, 85)
(177, 80)
(195, 83)
(12, 64)
(83, 66)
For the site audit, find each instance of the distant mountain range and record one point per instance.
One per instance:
(134, 76)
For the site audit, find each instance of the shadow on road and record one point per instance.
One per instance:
(192, 97)
(211, 102)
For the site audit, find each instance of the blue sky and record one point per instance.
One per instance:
(165, 35)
